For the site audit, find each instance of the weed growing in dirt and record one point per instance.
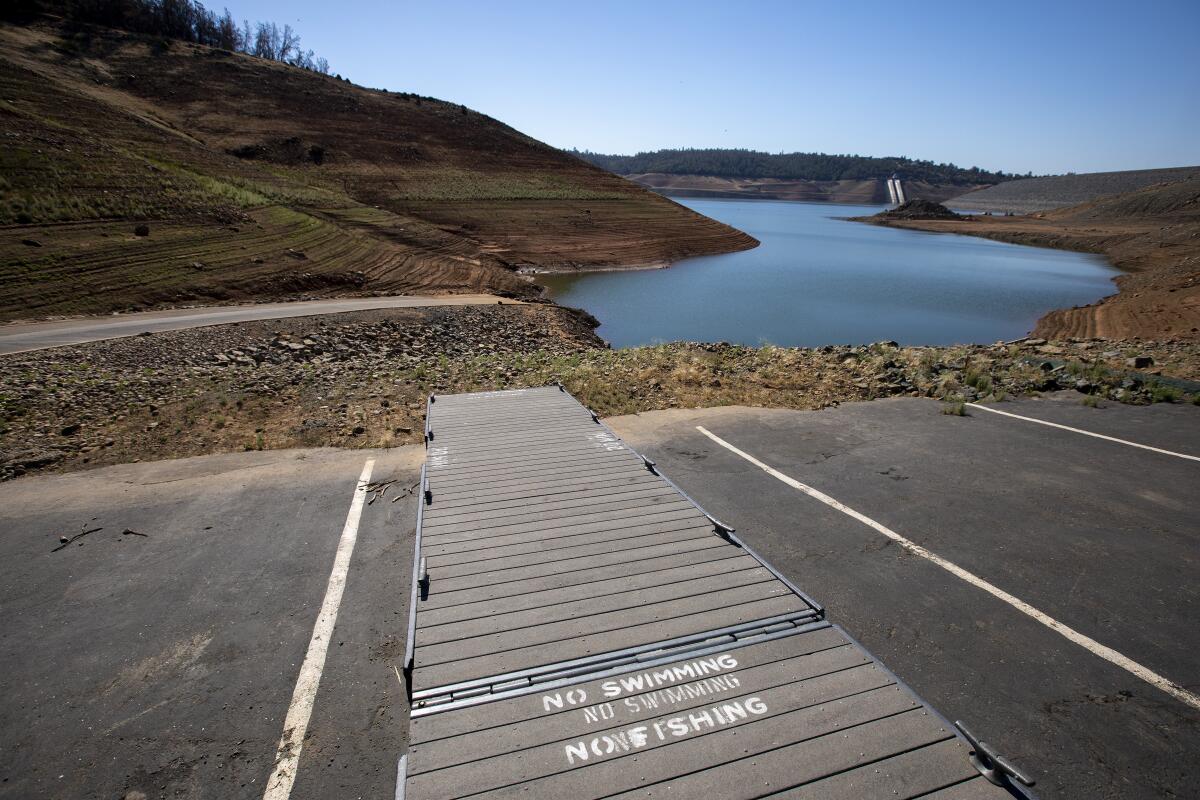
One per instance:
(977, 380)
(1090, 372)
(1162, 393)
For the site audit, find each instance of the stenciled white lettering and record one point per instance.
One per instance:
(643, 681)
(660, 730)
(557, 701)
(597, 713)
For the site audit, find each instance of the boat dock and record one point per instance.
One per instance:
(581, 628)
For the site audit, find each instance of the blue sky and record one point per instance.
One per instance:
(1045, 87)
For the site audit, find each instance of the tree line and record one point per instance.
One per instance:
(184, 20)
(727, 163)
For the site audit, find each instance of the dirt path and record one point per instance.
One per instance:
(25, 336)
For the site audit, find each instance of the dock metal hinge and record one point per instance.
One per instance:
(991, 765)
(723, 530)
(428, 421)
(590, 668)
(408, 678)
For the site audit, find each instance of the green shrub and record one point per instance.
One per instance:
(1161, 393)
(979, 381)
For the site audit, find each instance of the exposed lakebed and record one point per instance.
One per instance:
(818, 279)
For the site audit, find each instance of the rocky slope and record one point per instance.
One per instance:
(158, 172)
(361, 379)
(916, 209)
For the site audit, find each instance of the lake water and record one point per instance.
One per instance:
(818, 280)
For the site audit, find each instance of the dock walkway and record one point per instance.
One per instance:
(581, 628)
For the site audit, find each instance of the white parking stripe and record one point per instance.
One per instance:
(1107, 653)
(295, 725)
(1085, 433)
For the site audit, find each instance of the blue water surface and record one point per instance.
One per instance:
(817, 279)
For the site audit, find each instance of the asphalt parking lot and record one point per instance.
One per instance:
(165, 664)
(1098, 535)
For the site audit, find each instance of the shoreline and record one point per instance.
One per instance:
(361, 379)
(1093, 320)
(1156, 297)
(583, 270)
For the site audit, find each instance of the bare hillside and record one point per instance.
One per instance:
(1029, 195)
(862, 192)
(255, 179)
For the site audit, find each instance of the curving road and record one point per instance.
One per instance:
(24, 336)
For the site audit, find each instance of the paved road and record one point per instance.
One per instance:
(1100, 536)
(24, 336)
(166, 664)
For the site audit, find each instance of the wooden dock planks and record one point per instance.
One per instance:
(581, 628)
